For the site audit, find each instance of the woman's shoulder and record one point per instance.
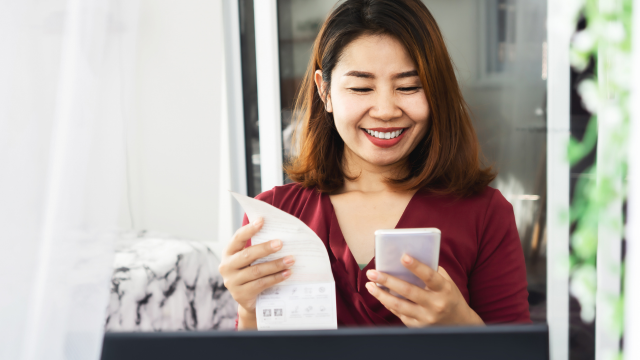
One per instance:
(290, 197)
(492, 199)
(479, 211)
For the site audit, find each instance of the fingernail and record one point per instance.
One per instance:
(257, 222)
(286, 273)
(371, 287)
(276, 244)
(372, 275)
(288, 260)
(407, 259)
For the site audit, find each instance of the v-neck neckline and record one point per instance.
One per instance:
(338, 244)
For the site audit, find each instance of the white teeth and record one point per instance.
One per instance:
(384, 135)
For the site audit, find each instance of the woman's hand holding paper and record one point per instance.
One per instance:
(439, 302)
(244, 281)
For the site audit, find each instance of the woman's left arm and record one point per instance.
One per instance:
(440, 302)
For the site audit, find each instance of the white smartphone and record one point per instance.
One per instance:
(422, 244)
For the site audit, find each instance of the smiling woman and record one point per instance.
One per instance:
(381, 114)
(386, 142)
(351, 59)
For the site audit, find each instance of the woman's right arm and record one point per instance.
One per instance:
(246, 282)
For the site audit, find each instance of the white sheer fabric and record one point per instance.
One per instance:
(65, 71)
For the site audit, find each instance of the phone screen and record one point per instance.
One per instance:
(422, 244)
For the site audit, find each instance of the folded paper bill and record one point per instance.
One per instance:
(306, 300)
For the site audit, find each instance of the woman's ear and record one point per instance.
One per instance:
(322, 90)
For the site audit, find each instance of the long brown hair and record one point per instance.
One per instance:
(447, 160)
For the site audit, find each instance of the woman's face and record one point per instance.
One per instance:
(377, 100)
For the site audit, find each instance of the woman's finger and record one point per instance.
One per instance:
(410, 322)
(409, 291)
(431, 278)
(394, 304)
(395, 313)
(259, 285)
(240, 238)
(444, 273)
(405, 319)
(248, 255)
(254, 272)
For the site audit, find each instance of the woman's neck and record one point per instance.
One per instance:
(369, 178)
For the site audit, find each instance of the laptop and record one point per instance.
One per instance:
(496, 342)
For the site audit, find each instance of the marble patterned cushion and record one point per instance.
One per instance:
(167, 284)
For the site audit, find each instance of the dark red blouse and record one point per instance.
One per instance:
(480, 249)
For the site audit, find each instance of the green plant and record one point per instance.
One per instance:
(599, 196)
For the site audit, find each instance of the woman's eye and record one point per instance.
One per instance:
(409, 89)
(360, 90)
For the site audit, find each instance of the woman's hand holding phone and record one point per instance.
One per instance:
(244, 281)
(439, 302)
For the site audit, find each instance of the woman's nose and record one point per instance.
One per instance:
(385, 108)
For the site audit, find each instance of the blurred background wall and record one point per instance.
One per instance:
(174, 127)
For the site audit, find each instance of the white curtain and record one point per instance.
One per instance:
(65, 83)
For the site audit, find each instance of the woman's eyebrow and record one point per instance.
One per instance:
(360, 74)
(405, 74)
(368, 75)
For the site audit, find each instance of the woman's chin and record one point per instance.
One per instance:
(376, 157)
(386, 161)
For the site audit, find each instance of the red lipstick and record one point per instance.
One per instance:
(384, 143)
